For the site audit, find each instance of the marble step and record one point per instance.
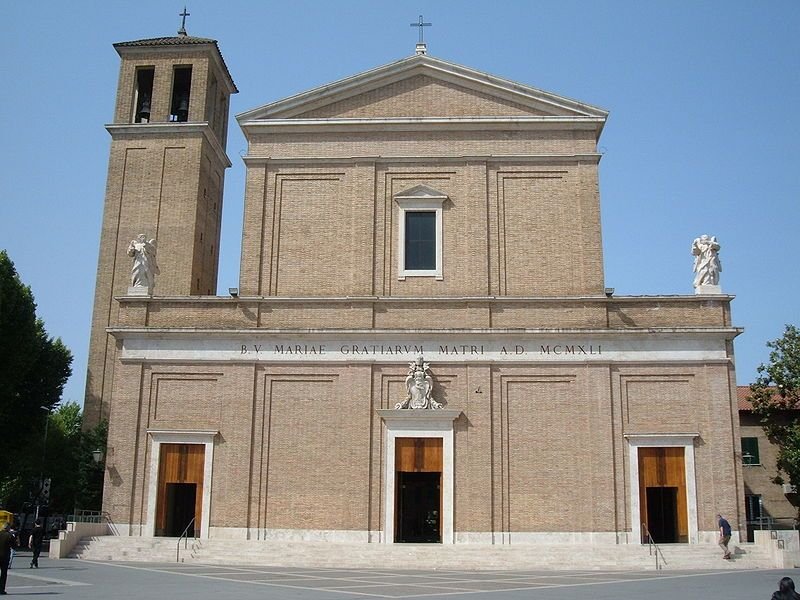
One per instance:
(423, 556)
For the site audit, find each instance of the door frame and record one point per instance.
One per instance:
(421, 423)
(662, 440)
(160, 436)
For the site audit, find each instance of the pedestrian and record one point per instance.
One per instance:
(6, 545)
(724, 536)
(14, 544)
(786, 590)
(35, 543)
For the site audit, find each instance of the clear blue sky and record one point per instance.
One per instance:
(703, 137)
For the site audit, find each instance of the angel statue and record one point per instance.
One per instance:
(419, 387)
(707, 266)
(144, 269)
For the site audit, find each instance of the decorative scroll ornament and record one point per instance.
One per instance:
(419, 387)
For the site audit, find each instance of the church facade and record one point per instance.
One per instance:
(421, 347)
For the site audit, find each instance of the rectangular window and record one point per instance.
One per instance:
(420, 241)
(181, 90)
(750, 451)
(144, 94)
(420, 232)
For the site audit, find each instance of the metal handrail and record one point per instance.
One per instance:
(185, 536)
(651, 543)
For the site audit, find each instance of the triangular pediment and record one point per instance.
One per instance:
(420, 87)
(421, 192)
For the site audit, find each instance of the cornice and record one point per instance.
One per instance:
(428, 124)
(602, 300)
(156, 129)
(173, 332)
(592, 157)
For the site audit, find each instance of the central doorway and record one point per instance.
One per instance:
(662, 500)
(418, 490)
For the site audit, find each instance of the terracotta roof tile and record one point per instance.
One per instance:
(177, 40)
(742, 393)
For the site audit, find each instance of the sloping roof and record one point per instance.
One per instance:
(177, 40)
(433, 67)
(742, 395)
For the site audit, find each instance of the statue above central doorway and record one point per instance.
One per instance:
(419, 387)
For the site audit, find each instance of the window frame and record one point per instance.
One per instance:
(414, 201)
(756, 455)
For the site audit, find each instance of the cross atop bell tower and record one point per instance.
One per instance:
(183, 15)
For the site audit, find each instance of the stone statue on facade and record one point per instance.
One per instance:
(707, 266)
(145, 268)
(419, 387)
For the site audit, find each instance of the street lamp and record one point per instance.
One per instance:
(44, 455)
(97, 456)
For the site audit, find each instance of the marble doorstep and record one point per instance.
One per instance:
(422, 556)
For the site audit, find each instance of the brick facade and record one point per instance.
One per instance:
(541, 444)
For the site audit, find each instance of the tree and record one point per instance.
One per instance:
(775, 397)
(76, 479)
(34, 368)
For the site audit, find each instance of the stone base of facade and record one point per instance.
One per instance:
(494, 538)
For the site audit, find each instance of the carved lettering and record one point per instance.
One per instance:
(398, 350)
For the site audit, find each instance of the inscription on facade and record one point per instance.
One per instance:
(450, 348)
(440, 350)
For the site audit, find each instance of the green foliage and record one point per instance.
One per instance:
(775, 396)
(33, 371)
(76, 480)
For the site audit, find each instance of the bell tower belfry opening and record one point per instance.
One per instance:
(165, 180)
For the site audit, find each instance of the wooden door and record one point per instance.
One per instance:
(662, 480)
(418, 455)
(179, 464)
(418, 486)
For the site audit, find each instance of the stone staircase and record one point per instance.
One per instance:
(422, 556)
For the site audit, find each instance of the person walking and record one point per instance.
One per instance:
(35, 543)
(14, 543)
(6, 545)
(786, 590)
(724, 536)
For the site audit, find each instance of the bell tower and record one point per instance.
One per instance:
(165, 180)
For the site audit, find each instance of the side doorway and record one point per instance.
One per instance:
(180, 489)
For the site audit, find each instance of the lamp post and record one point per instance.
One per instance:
(44, 455)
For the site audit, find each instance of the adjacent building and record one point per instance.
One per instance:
(767, 504)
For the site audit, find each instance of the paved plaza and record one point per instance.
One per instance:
(82, 579)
